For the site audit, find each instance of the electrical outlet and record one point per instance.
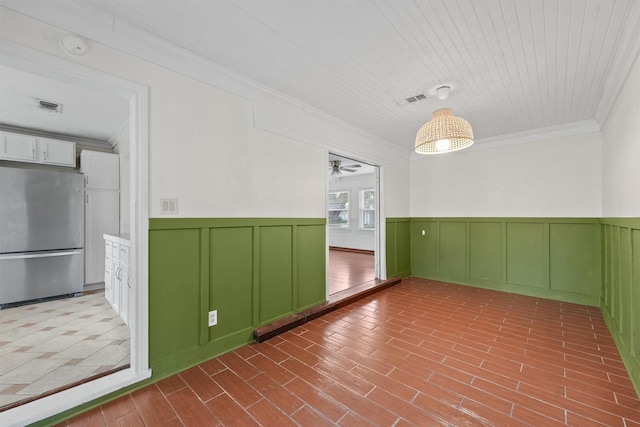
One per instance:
(213, 317)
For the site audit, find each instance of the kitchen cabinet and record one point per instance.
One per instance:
(101, 170)
(118, 283)
(56, 152)
(102, 208)
(108, 272)
(26, 148)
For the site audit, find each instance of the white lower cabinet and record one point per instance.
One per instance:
(117, 281)
(101, 216)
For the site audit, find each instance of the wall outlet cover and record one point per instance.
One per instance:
(213, 317)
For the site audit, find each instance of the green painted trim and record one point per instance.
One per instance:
(630, 222)
(620, 301)
(294, 266)
(204, 285)
(256, 275)
(509, 219)
(185, 223)
(397, 264)
(471, 251)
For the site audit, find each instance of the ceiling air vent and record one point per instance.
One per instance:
(52, 107)
(412, 99)
(416, 98)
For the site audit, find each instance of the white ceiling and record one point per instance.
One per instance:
(515, 66)
(89, 113)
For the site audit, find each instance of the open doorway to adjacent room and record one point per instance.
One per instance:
(64, 352)
(352, 221)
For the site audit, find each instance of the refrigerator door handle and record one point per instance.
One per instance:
(39, 255)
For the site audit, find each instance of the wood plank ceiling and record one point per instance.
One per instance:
(514, 65)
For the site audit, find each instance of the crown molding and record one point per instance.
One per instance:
(122, 132)
(550, 132)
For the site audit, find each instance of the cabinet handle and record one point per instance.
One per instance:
(87, 197)
(33, 153)
(45, 154)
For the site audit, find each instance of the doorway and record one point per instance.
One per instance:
(136, 96)
(352, 223)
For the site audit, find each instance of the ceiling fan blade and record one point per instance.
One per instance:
(347, 169)
(352, 166)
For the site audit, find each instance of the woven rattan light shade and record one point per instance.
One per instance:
(444, 133)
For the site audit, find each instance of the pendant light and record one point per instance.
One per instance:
(444, 132)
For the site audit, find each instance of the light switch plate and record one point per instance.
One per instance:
(168, 206)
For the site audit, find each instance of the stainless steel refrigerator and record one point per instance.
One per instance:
(41, 234)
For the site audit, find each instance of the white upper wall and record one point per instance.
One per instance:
(558, 177)
(228, 151)
(621, 152)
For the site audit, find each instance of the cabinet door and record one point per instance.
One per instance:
(125, 291)
(17, 147)
(108, 280)
(55, 152)
(101, 170)
(102, 216)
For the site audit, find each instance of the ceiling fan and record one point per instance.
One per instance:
(336, 169)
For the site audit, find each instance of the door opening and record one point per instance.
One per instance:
(352, 223)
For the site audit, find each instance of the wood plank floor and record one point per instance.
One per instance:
(420, 353)
(349, 269)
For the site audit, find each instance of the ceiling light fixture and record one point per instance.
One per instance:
(444, 133)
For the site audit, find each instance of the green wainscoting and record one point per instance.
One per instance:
(398, 247)
(620, 300)
(557, 258)
(252, 271)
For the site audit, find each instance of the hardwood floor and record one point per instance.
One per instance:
(420, 353)
(349, 269)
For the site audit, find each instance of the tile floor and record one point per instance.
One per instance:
(51, 344)
(420, 353)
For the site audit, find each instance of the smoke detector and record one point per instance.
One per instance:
(73, 45)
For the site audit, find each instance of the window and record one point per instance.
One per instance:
(368, 209)
(339, 209)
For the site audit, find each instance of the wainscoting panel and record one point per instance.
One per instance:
(527, 258)
(620, 302)
(486, 241)
(311, 286)
(557, 258)
(251, 270)
(276, 274)
(574, 250)
(452, 249)
(398, 246)
(231, 279)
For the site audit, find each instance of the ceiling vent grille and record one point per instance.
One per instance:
(416, 98)
(412, 99)
(52, 107)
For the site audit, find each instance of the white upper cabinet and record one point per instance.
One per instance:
(56, 152)
(21, 148)
(31, 149)
(101, 170)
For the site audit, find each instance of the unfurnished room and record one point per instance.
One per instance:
(314, 213)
